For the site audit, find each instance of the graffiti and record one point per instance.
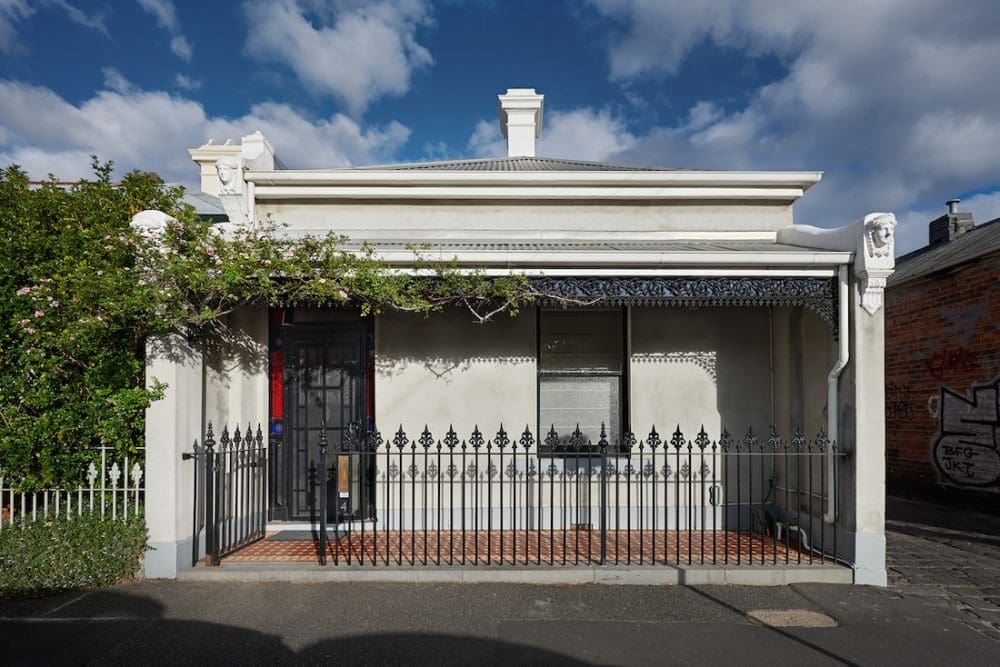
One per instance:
(967, 448)
(955, 359)
(898, 408)
(950, 352)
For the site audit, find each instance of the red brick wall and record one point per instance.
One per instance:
(942, 331)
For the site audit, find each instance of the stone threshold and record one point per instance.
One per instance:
(693, 575)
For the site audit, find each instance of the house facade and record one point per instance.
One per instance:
(943, 364)
(671, 302)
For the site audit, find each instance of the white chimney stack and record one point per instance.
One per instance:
(521, 120)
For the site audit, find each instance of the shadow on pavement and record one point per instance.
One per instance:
(106, 627)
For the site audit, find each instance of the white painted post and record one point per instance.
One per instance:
(172, 424)
(868, 456)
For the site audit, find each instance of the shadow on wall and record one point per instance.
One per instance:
(451, 343)
(224, 347)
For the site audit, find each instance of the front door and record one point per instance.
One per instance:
(324, 386)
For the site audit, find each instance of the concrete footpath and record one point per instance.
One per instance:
(918, 620)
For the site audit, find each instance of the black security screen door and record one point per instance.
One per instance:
(324, 384)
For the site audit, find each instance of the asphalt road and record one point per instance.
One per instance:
(365, 624)
(942, 607)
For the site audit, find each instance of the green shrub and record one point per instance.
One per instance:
(43, 557)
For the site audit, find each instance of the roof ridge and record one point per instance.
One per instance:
(526, 160)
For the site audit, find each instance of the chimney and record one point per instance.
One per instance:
(949, 226)
(521, 120)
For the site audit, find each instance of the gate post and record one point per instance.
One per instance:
(175, 360)
(322, 494)
(211, 499)
(603, 444)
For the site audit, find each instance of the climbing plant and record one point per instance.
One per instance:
(81, 291)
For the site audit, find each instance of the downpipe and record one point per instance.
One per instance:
(833, 388)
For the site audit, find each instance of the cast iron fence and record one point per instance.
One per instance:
(514, 501)
(112, 486)
(230, 491)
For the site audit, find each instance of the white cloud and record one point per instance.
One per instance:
(581, 134)
(486, 140)
(911, 233)
(166, 17)
(354, 51)
(114, 80)
(187, 82)
(181, 47)
(164, 12)
(13, 12)
(151, 130)
(92, 21)
(893, 99)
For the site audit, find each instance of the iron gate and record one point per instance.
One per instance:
(230, 491)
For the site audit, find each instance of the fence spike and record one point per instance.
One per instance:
(725, 440)
(400, 440)
(552, 439)
(451, 438)
(476, 439)
(501, 439)
(426, 439)
(527, 439)
(654, 440)
(702, 440)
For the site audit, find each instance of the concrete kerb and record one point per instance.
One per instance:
(644, 576)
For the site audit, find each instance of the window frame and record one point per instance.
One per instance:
(614, 440)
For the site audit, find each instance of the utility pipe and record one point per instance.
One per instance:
(833, 386)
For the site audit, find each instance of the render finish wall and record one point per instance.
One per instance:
(446, 370)
(695, 367)
(525, 219)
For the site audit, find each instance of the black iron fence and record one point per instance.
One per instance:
(566, 501)
(230, 491)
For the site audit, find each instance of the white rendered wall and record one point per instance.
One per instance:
(236, 379)
(697, 367)
(444, 369)
(529, 219)
(172, 425)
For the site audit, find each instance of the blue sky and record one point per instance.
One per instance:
(895, 100)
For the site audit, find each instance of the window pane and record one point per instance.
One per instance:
(575, 340)
(565, 402)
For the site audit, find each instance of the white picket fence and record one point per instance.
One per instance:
(113, 487)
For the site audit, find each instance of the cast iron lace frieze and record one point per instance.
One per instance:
(816, 294)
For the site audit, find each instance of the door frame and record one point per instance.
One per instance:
(316, 333)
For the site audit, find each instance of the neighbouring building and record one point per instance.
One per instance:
(694, 303)
(943, 364)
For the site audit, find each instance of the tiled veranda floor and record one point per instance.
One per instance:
(581, 547)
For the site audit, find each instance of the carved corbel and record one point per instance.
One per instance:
(233, 191)
(871, 239)
(875, 259)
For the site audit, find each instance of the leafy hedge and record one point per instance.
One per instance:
(42, 557)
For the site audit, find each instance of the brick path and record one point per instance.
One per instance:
(531, 547)
(946, 558)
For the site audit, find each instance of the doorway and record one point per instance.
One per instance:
(324, 386)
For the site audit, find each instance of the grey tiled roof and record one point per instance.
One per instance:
(607, 246)
(981, 240)
(204, 204)
(514, 164)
